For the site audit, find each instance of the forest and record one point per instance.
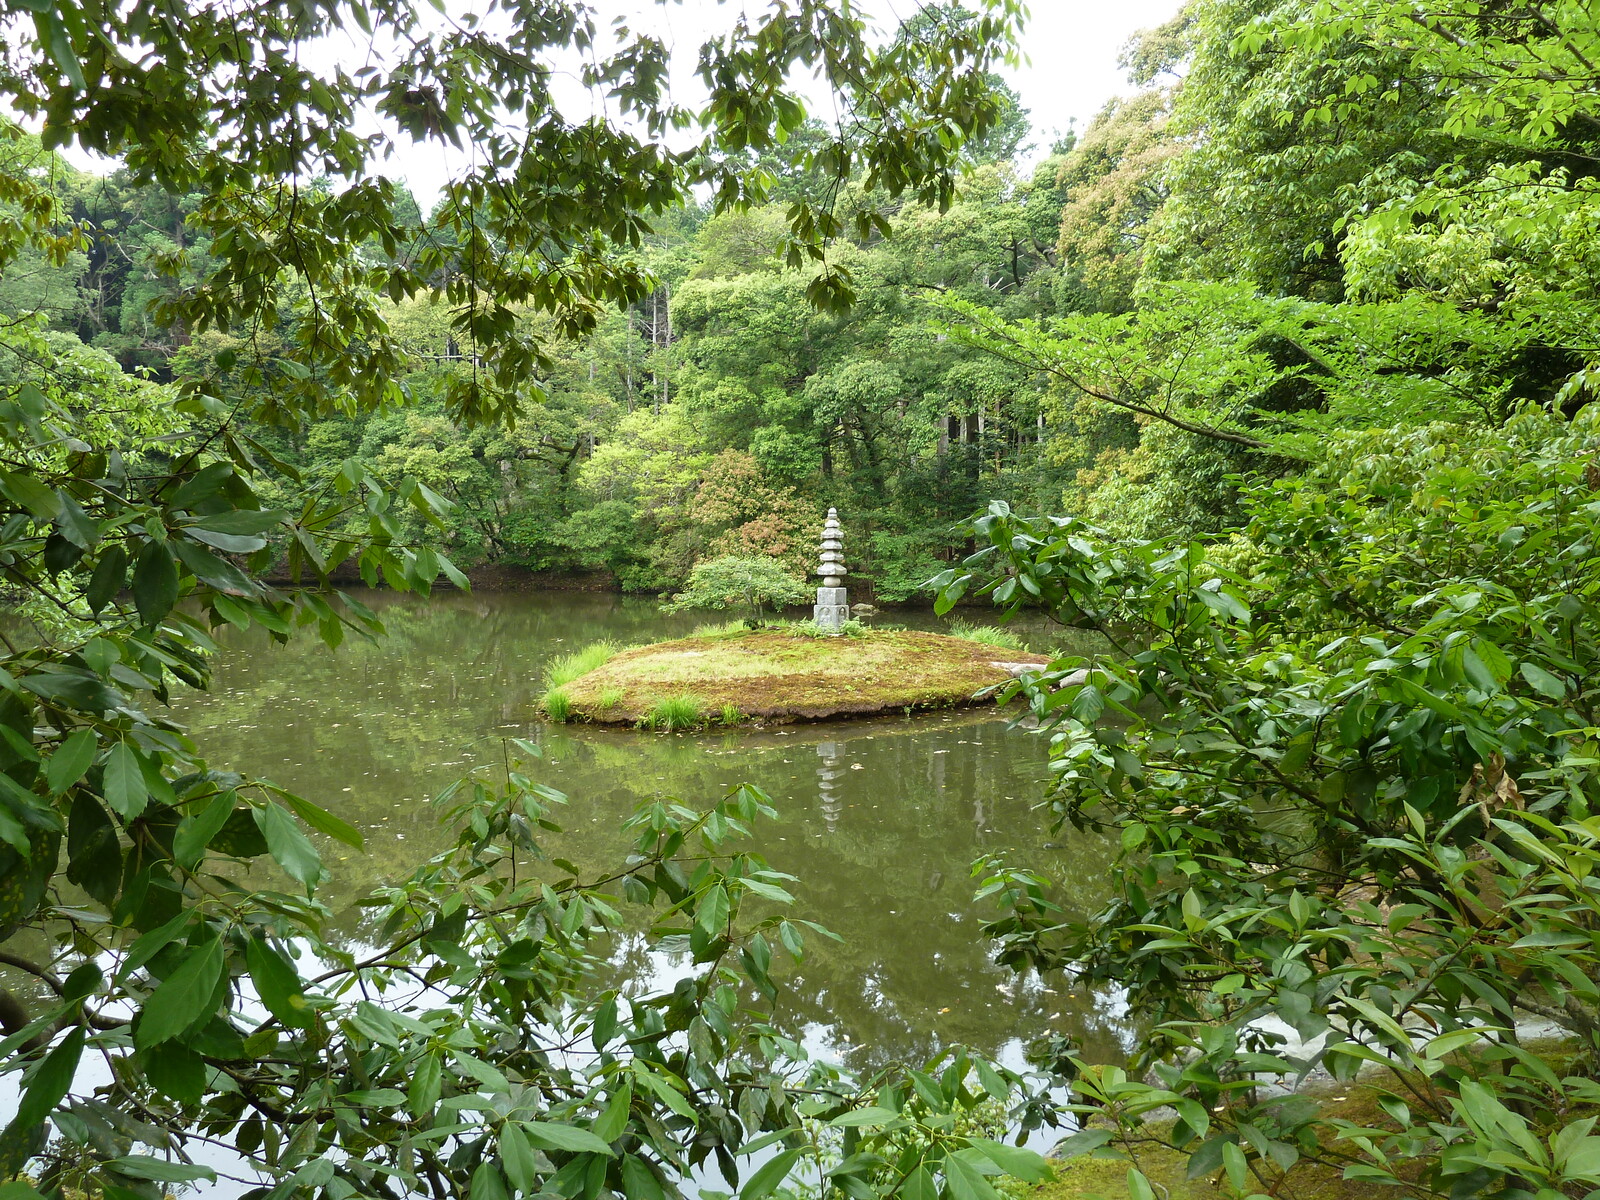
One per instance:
(1277, 377)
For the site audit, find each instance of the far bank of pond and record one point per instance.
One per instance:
(880, 820)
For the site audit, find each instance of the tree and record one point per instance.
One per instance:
(754, 582)
(470, 1050)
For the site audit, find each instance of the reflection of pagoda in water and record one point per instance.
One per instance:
(827, 772)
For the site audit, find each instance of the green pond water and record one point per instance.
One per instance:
(879, 820)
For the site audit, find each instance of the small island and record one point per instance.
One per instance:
(781, 674)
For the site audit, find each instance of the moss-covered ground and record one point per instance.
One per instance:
(1088, 1178)
(778, 675)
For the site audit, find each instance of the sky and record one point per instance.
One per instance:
(1072, 48)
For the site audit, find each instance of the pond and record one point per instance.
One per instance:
(879, 820)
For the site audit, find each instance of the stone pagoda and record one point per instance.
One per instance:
(833, 609)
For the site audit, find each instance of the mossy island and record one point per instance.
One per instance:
(732, 674)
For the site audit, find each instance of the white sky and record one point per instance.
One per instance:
(1072, 48)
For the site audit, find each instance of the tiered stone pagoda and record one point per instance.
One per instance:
(832, 609)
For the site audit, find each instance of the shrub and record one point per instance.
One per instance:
(672, 713)
(739, 581)
(563, 670)
(557, 705)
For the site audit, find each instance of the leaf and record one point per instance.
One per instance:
(241, 521)
(1543, 681)
(196, 830)
(184, 998)
(228, 543)
(770, 1174)
(290, 847)
(870, 1115)
(27, 491)
(516, 1156)
(155, 583)
(425, 1087)
(109, 575)
(141, 1166)
(1026, 1165)
(966, 1182)
(51, 1081)
(71, 761)
(550, 1136)
(712, 912)
(124, 785)
(324, 821)
(639, 1182)
(279, 986)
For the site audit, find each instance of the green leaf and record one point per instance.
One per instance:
(426, 1084)
(711, 914)
(141, 1166)
(124, 784)
(155, 583)
(290, 847)
(613, 1122)
(51, 1081)
(110, 573)
(516, 1156)
(770, 1174)
(228, 543)
(1543, 681)
(196, 830)
(1026, 1165)
(550, 1136)
(77, 526)
(323, 821)
(71, 761)
(241, 521)
(965, 1181)
(28, 492)
(870, 1115)
(279, 986)
(184, 998)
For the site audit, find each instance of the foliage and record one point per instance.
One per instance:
(1355, 790)
(738, 580)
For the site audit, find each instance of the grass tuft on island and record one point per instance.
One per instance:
(731, 674)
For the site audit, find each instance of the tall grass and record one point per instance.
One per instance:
(559, 672)
(720, 629)
(557, 705)
(673, 713)
(987, 635)
(608, 698)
